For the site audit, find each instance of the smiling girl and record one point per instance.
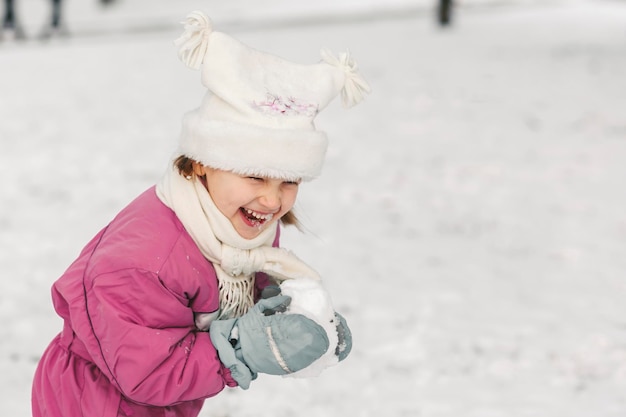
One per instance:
(188, 259)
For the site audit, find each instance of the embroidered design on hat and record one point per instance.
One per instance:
(287, 106)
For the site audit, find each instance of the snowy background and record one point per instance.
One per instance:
(470, 219)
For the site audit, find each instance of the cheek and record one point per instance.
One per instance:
(289, 199)
(224, 202)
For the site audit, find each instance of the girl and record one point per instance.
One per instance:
(163, 308)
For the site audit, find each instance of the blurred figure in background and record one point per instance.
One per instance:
(444, 12)
(55, 28)
(10, 24)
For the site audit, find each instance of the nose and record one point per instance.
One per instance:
(270, 198)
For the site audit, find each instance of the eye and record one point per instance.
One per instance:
(297, 182)
(256, 178)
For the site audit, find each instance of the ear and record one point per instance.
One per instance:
(198, 169)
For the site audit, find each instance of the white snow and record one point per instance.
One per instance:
(469, 222)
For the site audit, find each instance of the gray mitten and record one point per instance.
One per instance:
(344, 346)
(266, 342)
(344, 335)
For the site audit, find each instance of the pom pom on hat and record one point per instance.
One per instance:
(355, 87)
(192, 44)
(257, 118)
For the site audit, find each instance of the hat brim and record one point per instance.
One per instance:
(252, 150)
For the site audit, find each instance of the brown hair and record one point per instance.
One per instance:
(184, 165)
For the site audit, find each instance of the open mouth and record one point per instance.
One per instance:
(255, 219)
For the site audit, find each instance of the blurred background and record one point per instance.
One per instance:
(469, 221)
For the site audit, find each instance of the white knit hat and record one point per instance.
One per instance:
(257, 117)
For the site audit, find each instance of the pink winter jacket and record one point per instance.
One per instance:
(129, 346)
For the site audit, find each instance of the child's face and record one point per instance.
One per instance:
(251, 204)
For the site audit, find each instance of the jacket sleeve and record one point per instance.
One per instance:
(142, 337)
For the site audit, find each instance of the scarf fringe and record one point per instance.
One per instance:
(236, 295)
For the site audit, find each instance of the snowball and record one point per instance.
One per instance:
(311, 299)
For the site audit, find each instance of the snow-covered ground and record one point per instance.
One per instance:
(469, 222)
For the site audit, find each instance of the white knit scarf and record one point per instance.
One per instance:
(235, 258)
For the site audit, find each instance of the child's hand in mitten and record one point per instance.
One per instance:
(344, 343)
(275, 344)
